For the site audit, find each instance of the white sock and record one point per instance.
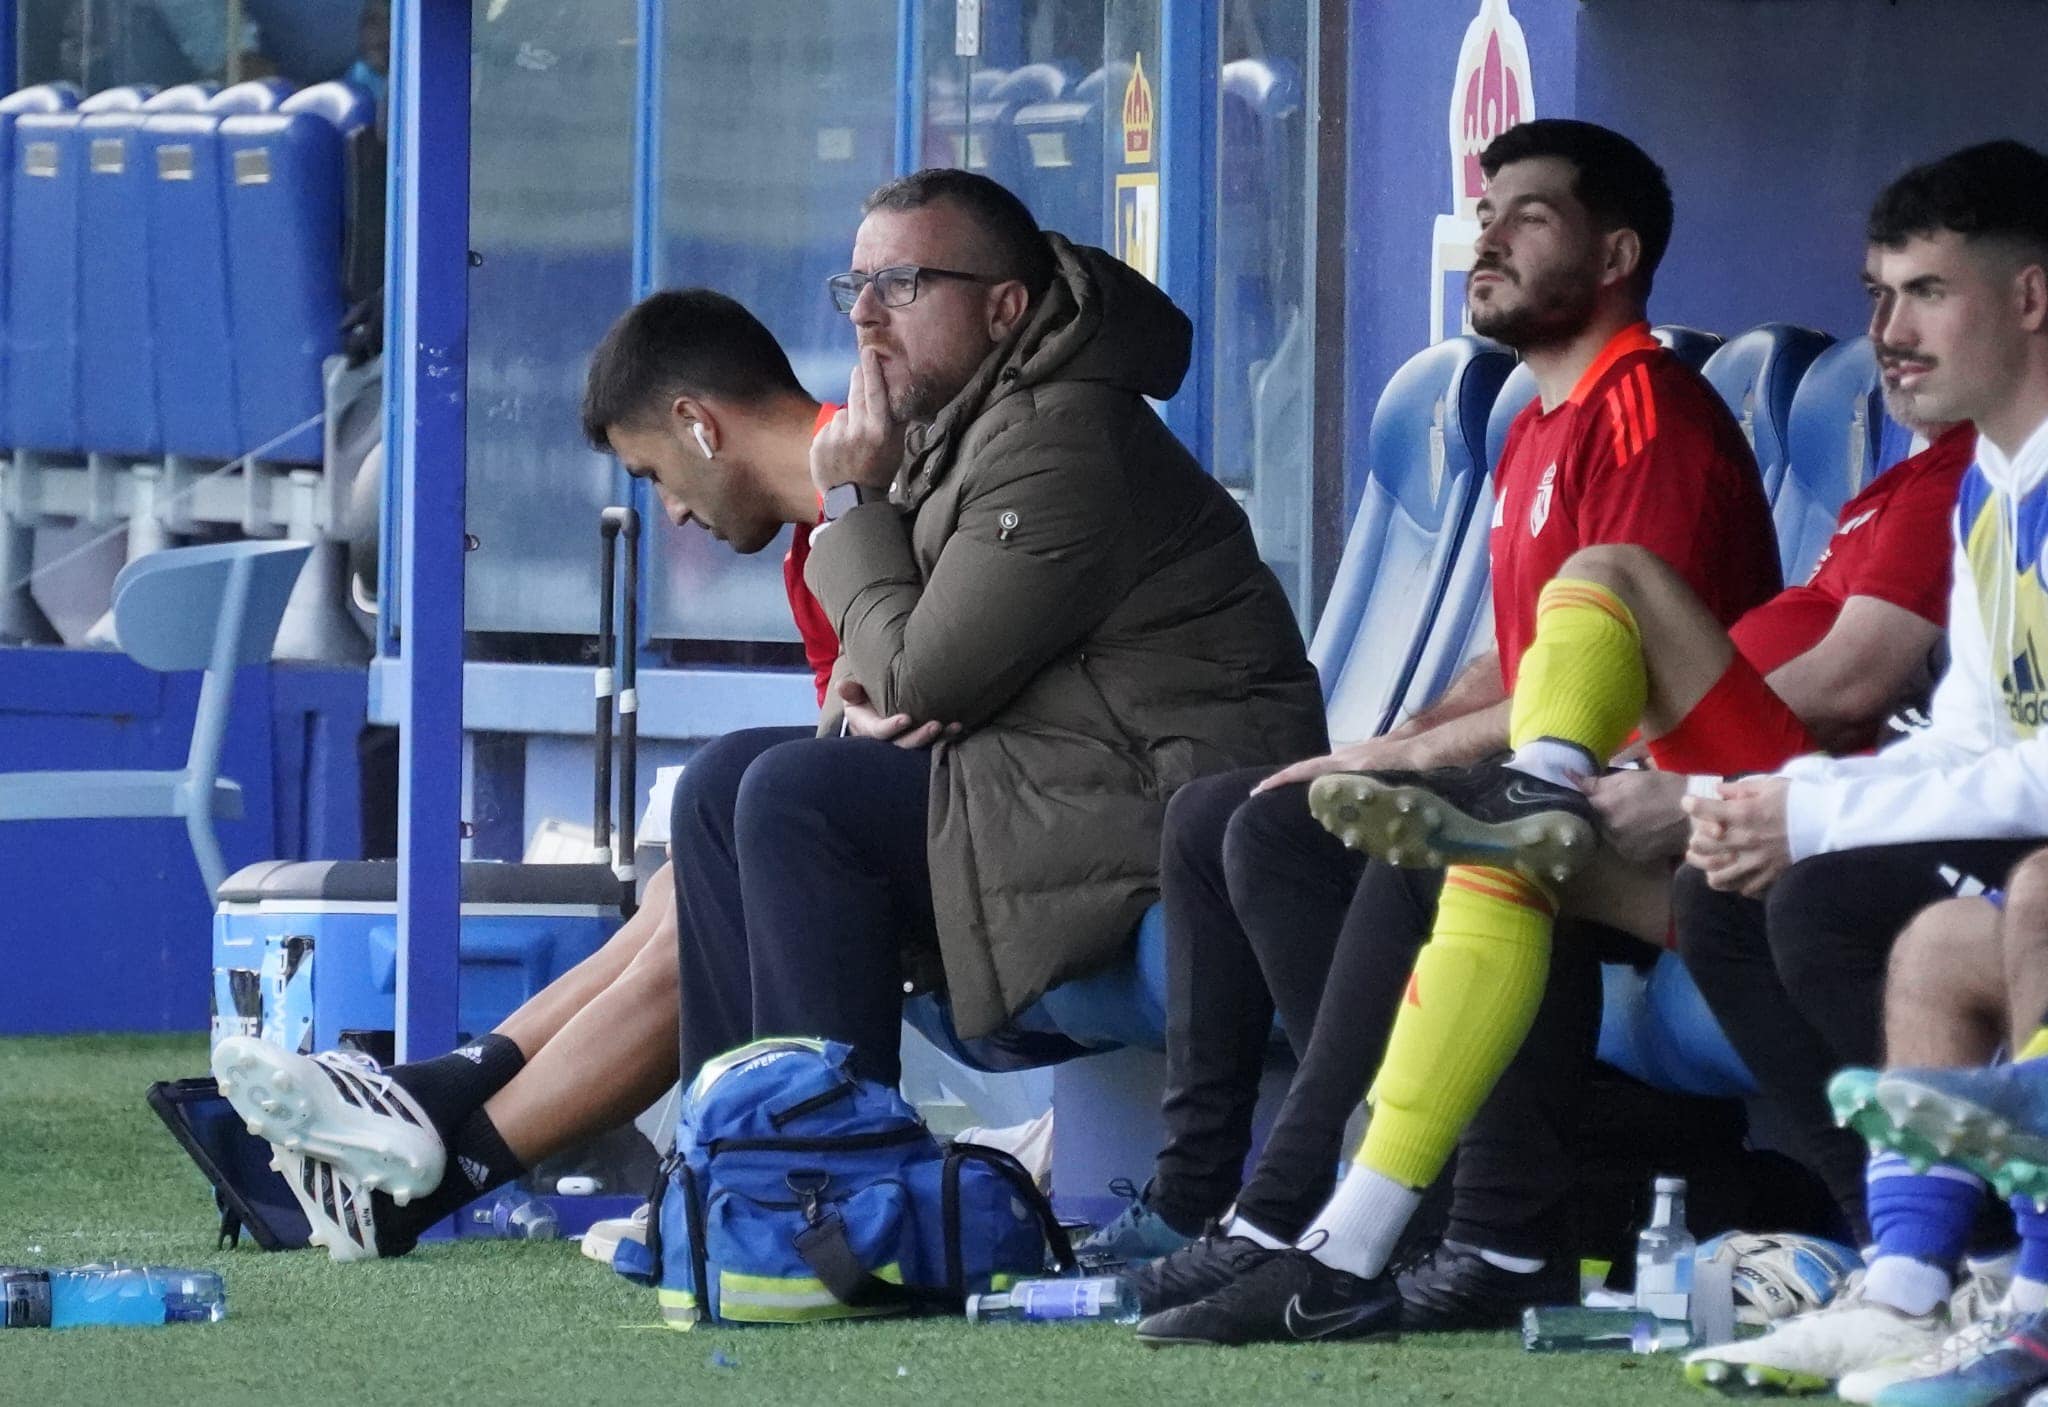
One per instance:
(1235, 1225)
(1907, 1285)
(1357, 1229)
(2026, 1296)
(1500, 1260)
(1556, 761)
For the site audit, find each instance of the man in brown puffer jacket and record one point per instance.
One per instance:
(1050, 619)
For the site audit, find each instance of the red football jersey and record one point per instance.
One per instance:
(1891, 541)
(1642, 451)
(821, 641)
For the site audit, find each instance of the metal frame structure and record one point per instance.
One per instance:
(427, 311)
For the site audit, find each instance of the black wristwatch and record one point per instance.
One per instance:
(841, 499)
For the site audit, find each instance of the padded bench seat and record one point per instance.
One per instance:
(1654, 1025)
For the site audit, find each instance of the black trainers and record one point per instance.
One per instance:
(1284, 1297)
(1484, 815)
(1454, 1287)
(1195, 1271)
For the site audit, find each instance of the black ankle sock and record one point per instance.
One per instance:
(478, 1162)
(451, 1087)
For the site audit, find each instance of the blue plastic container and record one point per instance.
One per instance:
(305, 950)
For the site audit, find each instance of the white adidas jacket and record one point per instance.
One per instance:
(1980, 771)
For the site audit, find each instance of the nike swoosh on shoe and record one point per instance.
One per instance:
(1304, 1325)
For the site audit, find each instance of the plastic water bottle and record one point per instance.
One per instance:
(1571, 1328)
(108, 1294)
(516, 1215)
(1044, 1301)
(1664, 1256)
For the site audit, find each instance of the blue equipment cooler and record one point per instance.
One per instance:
(304, 950)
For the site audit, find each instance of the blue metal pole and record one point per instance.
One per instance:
(909, 86)
(397, 383)
(649, 256)
(430, 152)
(1190, 69)
(647, 105)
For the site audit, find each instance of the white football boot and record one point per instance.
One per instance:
(1808, 1352)
(341, 1130)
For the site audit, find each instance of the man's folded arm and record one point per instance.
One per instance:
(1038, 558)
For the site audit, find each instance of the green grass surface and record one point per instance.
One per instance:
(86, 1173)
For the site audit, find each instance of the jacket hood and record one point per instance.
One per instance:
(1101, 320)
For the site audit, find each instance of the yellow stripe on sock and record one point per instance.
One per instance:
(2036, 1046)
(1475, 990)
(1582, 678)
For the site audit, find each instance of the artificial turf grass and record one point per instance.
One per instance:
(87, 1172)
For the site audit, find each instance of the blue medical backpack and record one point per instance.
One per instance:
(798, 1191)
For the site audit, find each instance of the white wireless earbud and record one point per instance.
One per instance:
(702, 443)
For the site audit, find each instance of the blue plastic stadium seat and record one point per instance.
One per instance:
(46, 98)
(1656, 1027)
(285, 232)
(1259, 122)
(1425, 472)
(995, 145)
(190, 308)
(1692, 346)
(1060, 145)
(44, 267)
(215, 608)
(1841, 439)
(975, 132)
(117, 361)
(1757, 374)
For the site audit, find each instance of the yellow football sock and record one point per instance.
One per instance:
(1582, 678)
(2036, 1046)
(1475, 990)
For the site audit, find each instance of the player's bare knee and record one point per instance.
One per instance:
(2026, 892)
(1916, 958)
(1938, 956)
(655, 972)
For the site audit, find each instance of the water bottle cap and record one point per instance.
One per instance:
(1672, 1186)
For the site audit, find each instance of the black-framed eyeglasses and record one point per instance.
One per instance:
(894, 286)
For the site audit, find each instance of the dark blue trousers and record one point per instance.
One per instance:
(801, 878)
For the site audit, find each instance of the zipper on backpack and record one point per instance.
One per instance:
(844, 1143)
(782, 1118)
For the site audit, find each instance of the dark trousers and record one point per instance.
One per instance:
(1515, 1169)
(1266, 912)
(801, 877)
(1232, 863)
(1796, 979)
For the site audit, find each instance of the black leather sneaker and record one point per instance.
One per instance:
(1454, 1287)
(1285, 1297)
(1195, 1271)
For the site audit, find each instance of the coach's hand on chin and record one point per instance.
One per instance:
(1739, 839)
(863, 443)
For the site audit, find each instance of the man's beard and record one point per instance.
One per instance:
(1553, 309)
(920, 400)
